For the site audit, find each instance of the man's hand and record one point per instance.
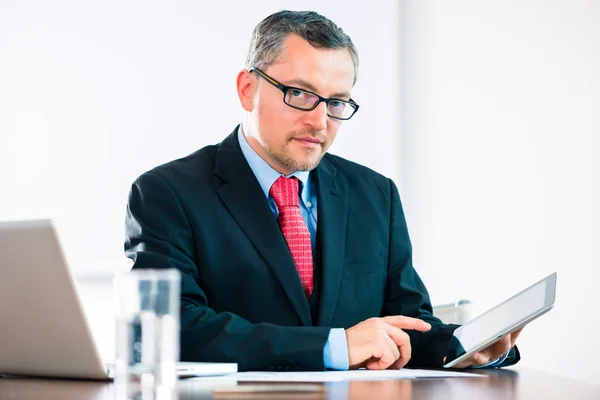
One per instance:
(379, 343)
(491, 353)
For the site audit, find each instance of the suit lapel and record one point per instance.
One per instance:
(245, 200)
(332, 216)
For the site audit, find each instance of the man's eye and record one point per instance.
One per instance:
(336, 103)
(296, 92)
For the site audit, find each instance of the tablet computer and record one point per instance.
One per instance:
(505, 318)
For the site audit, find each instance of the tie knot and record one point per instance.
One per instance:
(285, 192)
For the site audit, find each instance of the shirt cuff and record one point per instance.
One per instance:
(496, 363)
(335, 352)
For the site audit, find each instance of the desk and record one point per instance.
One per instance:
(504, 384)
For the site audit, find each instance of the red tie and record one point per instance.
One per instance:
(285, 193)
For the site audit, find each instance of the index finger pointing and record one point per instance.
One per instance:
(402, 322)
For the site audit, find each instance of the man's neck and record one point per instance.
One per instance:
(258, 149)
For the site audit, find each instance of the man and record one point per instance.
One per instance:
(291, 258)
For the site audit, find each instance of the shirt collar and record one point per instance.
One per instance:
(265, 174)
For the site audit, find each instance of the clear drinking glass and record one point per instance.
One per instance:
(147, 337)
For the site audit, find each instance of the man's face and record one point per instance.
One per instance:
(290, 139)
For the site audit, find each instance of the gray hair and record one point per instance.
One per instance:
(269, 36)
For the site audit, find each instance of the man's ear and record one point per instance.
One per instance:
(246, 89)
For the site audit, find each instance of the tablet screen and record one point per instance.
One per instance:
(506, 316)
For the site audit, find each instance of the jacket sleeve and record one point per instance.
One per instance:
(158, 234)
(406, 295)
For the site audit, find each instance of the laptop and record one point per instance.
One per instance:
(43, 328)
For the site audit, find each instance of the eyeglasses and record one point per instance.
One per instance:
(304, 100)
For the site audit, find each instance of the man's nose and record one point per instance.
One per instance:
(317, 118)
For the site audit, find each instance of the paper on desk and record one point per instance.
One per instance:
(338, 376)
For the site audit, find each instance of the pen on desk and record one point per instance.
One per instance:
(266, 391)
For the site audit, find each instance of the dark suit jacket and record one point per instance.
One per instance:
(242, 300)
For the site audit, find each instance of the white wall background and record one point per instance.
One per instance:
(500, 165)
(92, 94)
(498, 106)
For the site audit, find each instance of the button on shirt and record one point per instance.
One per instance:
(335, 353)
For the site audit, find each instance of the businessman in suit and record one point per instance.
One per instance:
(291, 258)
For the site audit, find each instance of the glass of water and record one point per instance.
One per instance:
(147, 337)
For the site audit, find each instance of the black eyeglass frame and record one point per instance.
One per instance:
(320, 100)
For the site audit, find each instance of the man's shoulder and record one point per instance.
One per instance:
(197, 165)
(191, 166)
(353, 171)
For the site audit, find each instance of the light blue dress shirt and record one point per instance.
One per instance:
(496, 363)
(335, 352)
